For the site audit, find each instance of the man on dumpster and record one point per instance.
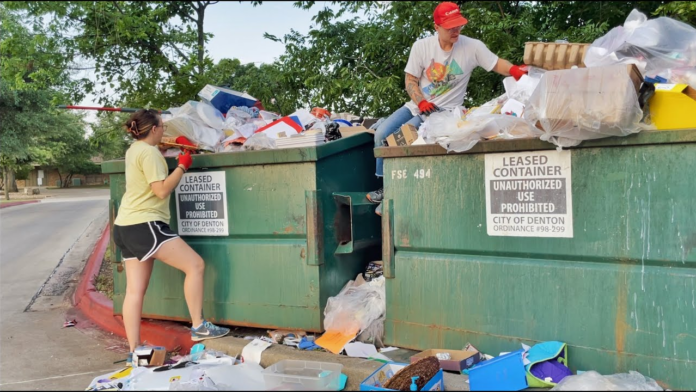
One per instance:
(437, 74)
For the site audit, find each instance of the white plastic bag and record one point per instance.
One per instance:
(653, 45)
(205, 137)
(585, 103)
(593, 381)
(355, 308)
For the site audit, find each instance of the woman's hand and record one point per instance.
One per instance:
(185, 160)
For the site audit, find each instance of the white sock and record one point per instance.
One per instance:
(198, 326)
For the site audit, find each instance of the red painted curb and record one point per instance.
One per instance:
(100, 309)
(17, 203)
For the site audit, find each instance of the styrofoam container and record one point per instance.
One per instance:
(312, 376)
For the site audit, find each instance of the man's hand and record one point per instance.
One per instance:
(427, 108)
(516, 71)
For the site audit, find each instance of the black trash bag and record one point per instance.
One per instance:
(332, 132)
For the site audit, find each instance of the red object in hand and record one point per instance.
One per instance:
(183, 140)
(426, 107)
(185, 159)
(516, 71)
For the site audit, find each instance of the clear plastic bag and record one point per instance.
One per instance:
(259, 141)
(355, 308)
(593, 381)
(585, 103)
(653, 45)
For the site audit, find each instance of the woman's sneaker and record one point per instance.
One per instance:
(208, 330)
(376, 196)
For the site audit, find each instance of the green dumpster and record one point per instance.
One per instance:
(280, 232)
(515, 242)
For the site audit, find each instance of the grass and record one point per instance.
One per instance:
(104, 280)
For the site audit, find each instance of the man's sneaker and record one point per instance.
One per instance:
(376, 196)
(378, 210)
(208, 331)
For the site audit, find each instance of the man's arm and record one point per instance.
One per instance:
(413, 89)
(502, 67)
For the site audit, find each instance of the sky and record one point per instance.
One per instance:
(238, 32)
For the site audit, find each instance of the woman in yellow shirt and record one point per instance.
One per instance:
(142, 232)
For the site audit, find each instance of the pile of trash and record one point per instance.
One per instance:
(631, 79)
(225, 120)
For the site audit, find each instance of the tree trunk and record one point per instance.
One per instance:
(10, 181)
(201, 36)
(4, 181)
(67, 181)
(60, 177)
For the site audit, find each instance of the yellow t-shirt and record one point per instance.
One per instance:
(144, 165)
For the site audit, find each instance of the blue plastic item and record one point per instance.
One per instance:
(342, 121)
(414, 387)
(196, 351)
(503, 373)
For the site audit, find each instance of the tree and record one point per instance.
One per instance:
(357, 65)
(108, 139)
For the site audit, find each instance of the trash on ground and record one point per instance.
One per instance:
(548, 364)
(451, 360)
(504, 373)
(279, 334)
(307, 375)
(149, 356)
(362, 350)
(252, 351)
(593, 381)
(70, 323)
(398, 377)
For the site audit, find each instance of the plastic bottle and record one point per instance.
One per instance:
(414, 387)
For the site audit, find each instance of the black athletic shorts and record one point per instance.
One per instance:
(141, 241)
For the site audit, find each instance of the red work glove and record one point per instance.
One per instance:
(183, 140)
(426, 107)
(185, 159)
(516, 71)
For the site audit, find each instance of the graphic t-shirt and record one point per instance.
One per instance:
(444, 76)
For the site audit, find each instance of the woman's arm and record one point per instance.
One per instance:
(162, 189)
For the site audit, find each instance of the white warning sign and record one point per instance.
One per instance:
(528, 194)
(201, 204)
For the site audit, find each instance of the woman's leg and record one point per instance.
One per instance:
(179, 255)
(137, 279)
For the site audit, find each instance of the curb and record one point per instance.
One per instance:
(100, 309)
(17, 203)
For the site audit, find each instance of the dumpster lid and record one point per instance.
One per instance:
(263, 157)
(499, 146)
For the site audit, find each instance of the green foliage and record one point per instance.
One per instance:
(684, 11)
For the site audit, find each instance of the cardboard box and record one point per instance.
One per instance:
(673, 106)
(570, 95)
(354, 130)
(149, 356)
(553, 56)
(223, 98)
(387, 371)
(460, 359)
(405, 136)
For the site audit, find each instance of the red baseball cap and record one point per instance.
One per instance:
(447, 15)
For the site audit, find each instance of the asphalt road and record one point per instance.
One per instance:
(36, 353)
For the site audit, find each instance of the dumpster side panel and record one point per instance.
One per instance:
(257, 276)
(620, 293)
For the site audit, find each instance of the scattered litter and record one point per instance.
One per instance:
(303, 375)
(593, 381)
(388, 349)
(70, 323)
(362, 350)
(252, 351)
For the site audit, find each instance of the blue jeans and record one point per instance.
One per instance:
(391, 125)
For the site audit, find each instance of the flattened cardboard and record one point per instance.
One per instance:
(405, 136)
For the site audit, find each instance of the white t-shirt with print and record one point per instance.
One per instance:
(444, 76)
